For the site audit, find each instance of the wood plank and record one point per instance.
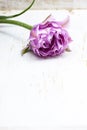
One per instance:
(43, 4)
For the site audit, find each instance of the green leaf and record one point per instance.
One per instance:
(15, 15)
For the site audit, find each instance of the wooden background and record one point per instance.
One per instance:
(43, 4)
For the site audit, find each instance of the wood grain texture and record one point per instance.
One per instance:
(43, 4)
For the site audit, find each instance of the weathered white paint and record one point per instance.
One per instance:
(43, 94)
(43, 4)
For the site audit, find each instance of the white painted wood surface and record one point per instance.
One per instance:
(43, 94)
(43, 4)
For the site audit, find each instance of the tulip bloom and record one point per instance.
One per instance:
(49, 38)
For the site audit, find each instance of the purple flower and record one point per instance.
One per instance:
(49, 38)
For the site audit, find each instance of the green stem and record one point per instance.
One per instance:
(29, 27)
(12, 16)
